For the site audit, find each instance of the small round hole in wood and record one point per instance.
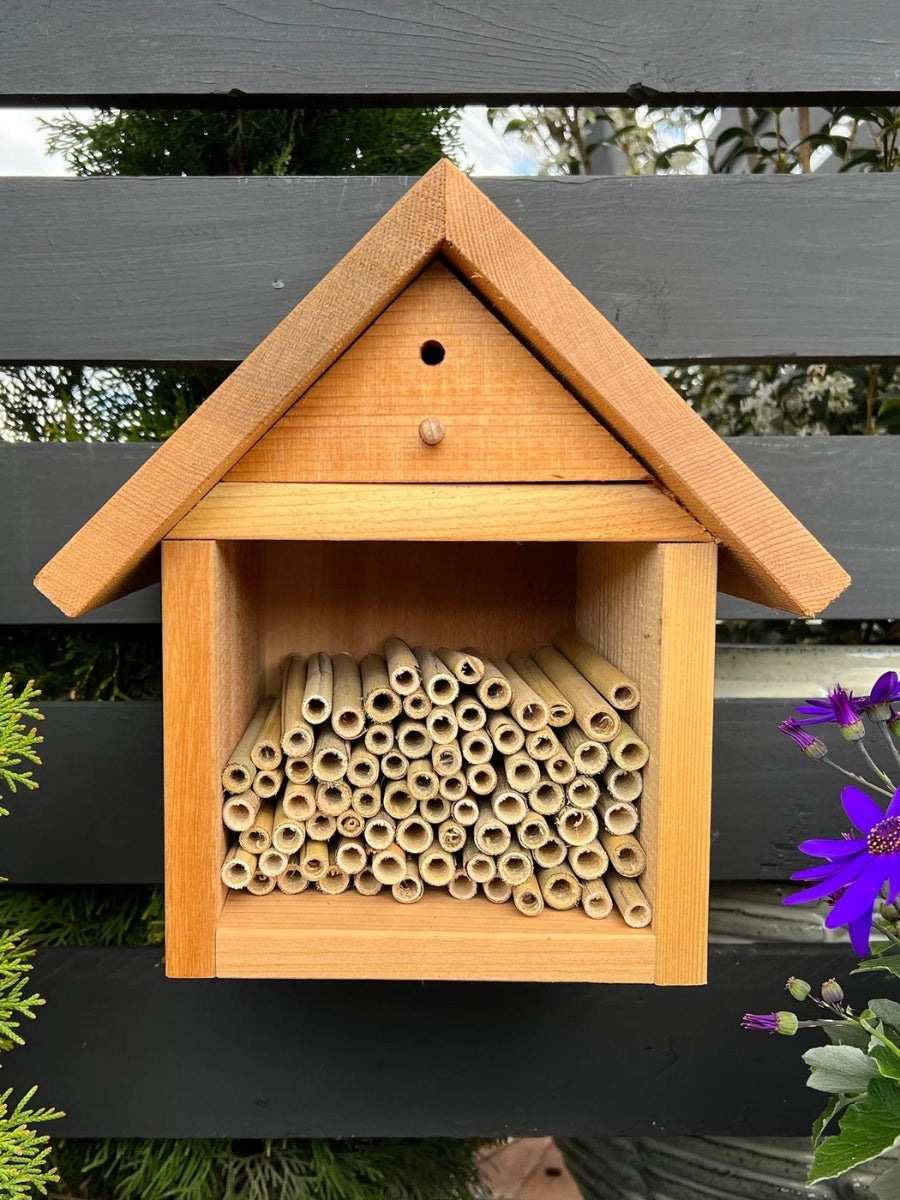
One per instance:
(432, 352)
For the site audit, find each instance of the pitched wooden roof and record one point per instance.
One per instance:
(766, 555)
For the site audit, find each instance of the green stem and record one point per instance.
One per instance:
(886, 734)
(852, 775)
(874, 765)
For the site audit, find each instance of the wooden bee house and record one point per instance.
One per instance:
(446, 441)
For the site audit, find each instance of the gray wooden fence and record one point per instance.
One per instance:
(113, 270)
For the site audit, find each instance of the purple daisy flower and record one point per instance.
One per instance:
(885, 692)
(838, 708)
(857, 867)
(811, 746)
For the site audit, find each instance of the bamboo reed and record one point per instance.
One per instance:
(552, 853)
(542, 744)
(335, 880)
(239, 812)
(629, 900)
(379, 739)
(351, 855)
(414, 835)
(528, 899)
(470, 714)
(588, 755)
(238, 867)
(331, 758)
(441, 685)
(350, 824)
(508, 806)
(491, 836)
(297, 736)
(288, 835)
(451, 836)
(318, 691)
(589, 861)
(260, 885)
(441, 723)
(321, 826)
(413, 739)
(421, 779)
(402, 667)
(577, 826)
(546, 797)
(493, 690)
(436, 867)
(467, 668)
(497, 890)
(461, 887)
(397, 801)
(362, 768)
(394, 765)
(626, 854)
(416, 705)
(272, 862)
(515, 866)
(409, 889)
(366, 883)
(623, 785)
(265, 753)
(389, 865)
(268, 783)
(240, 770)
(595, 899)
(609, 681)
(479, 867)
(533, 831)
(258, 836)
(583, 792)
(559, 708)
(313, 859)
(481, 778)
(447, 759)
(465, 811)
(506, 734)
(299, 801)
(560, 767)
(348, 719)
(291, 880)
(559, 887)
(333, 798)
(435, 810)
(594, 714)
(476, 746)
(298, 770)
(629, 751)
(522, 772)
(380, 702)
(379, 832)
(366, 801)
(617, 815)
(526, 705)
(453, 787)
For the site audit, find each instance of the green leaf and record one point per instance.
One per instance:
(887, 1011)
(868, 1128)
(846, 1033)
(888, 1062)
(835, 1105)
(885, 962)
(839, 1069)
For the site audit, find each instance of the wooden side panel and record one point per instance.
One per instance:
(539, 512)
(651, 609)
(504, 415)
(211, 681)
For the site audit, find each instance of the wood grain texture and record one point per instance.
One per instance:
(100, 562)
(211, 683)
(51, 489)
(768, 556)
(651, 610)
(129, 1053)
(205, 268)
(540, 512)
(505, 417)
(372, 937)
(121, 52)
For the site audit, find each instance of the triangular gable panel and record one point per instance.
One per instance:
(505, 416)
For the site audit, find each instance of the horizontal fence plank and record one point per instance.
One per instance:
(127, 1053)
(187, 270)
(837, 486)
(122, 52)
(97, 815)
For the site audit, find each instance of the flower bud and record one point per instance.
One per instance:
(798, 988)
(788, 1024)
(777, 1022)
(890, 912)
(832, 992)
(894, 723)
(853, 731)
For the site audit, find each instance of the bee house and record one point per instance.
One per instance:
(446, 445)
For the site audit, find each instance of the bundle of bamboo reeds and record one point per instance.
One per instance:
(440, 767)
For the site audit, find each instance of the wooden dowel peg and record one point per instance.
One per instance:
(402, 667)
(347, 716)
(559, 708)
(240, 770)
(297, 736)
(626, 854)
(629, 900)
(589, 861)
(559, 887)
(528, 899)
(594, 714)
(318, 689)
(595, 899)
(380, 702)
(619, 690)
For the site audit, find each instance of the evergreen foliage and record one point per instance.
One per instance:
(104, 662)
(85, 916)
(17, 742)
